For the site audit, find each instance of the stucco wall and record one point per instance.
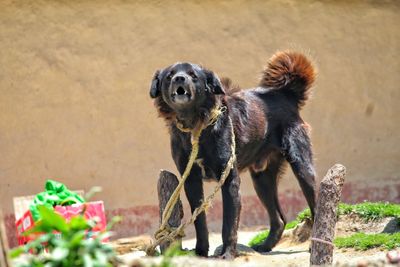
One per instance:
(74, 78)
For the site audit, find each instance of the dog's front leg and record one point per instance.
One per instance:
(231, 214)
(194, 194)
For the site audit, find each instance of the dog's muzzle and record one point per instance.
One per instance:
(181, 92)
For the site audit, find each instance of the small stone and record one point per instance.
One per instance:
(240, 248)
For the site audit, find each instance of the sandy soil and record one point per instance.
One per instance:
(289, 254)
(292, 250)
(285, 254)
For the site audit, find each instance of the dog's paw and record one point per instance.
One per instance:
(201, 252)
(229, 254)
(268, 244)
(262, 248)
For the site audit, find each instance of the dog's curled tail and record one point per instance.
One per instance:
(289, 71)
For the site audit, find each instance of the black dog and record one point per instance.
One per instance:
(268, 131)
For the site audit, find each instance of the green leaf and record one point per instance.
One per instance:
(38, 228)
(175, 250)
(16, 252)
(87, 260)
(53, 219)
(79, 223)
(101, 258)
(89, 244)
(77, 238)
(59, 254)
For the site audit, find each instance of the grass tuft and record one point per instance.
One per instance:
(303, 215)
(371, 211)
(362, 241)
(366, 210)
(259, 238)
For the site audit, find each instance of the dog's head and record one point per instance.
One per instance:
(185, 85)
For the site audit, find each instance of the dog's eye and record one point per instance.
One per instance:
(169, 77)
(193, 75)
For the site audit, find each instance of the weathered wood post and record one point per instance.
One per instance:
(3, 243)
(167, 183)
(325, 218)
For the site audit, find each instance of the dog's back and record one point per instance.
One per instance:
(262, 115)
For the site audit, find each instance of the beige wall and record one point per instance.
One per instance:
(74, 79)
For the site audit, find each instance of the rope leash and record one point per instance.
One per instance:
(166, 233)
(322, 241)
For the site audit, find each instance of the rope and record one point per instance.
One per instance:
(322, 241)
(166, 233)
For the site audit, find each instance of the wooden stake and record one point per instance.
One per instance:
(3, 243)
(325, 218)
(167, 183)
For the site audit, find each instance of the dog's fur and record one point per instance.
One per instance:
(268, 131)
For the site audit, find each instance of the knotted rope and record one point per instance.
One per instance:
(166, 233)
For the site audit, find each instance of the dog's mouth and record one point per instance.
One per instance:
(181, 95)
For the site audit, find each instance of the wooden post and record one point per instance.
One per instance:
(325, 218)
(167, 183)
(3, 243)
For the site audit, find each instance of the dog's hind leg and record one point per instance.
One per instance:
(297, 146)
(265, 184)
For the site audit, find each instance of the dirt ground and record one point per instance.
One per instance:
(285, 254)
(289, 252)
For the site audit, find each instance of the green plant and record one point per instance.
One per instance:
(366, 210)
(174, 250)
(260, 237)
(68, 247)
(303, 215)
(362, 241)
(371, 211)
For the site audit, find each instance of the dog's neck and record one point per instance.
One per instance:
(191, 118)
(187, 120)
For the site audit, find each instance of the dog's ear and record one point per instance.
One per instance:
(213, 83)
(155, 85)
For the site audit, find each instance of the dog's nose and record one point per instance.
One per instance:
(180, 79)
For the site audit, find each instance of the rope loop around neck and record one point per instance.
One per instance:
(215, 112)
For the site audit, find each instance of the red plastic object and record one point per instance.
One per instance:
(94, 210)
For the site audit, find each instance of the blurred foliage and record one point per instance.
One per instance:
(64, 244)
(174, 250)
